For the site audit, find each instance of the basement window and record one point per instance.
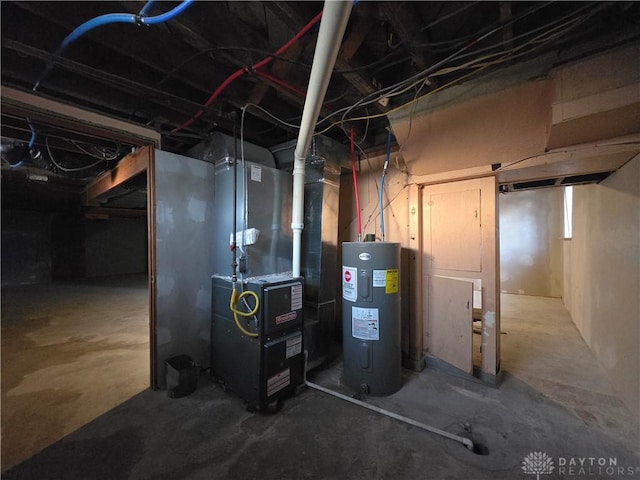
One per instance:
(568, 212)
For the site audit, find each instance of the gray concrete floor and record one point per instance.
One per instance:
(70, 352)
(542, 347)
(554, 399)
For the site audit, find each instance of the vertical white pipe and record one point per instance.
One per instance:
(332, 27)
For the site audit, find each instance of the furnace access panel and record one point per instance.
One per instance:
(264, 369)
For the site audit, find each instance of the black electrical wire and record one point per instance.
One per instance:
(190, 59)
(394, 89)
(439, 19)
(533, 31)
(391, 90)
(407, 58)
(371, 65)
(67, 169)
(234, 252)
(460, 41)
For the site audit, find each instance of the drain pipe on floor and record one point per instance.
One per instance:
(465, 441)
(332, 27)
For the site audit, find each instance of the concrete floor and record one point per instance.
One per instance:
(70, 353)
(553, 399)
(543, 348)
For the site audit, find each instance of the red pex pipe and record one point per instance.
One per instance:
(255, 67)
(355, 186)
(282, 83)
(293, 40)
(213, 96)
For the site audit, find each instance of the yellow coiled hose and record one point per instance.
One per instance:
(235, 298)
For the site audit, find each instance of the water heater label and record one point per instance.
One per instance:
(379, 278)
(391, 283)
(350, 283)
(365, 323)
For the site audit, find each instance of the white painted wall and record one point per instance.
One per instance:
(602, 280)
(531, 242)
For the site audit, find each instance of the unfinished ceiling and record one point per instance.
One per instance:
(201, 70)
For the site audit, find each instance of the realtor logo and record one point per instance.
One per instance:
(537, 463)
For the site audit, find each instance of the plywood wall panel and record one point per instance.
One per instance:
(496, 128)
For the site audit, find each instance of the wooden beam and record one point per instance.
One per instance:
(360, 26)
(507, 30)
(279, 69)
(453, 175)
(357, 33)
(103, 213)
(159, 97)
(361, 84)
(414, 241)
(406, 21)
(118, 44)
(41, 109)
(127, 168)
(189, 33)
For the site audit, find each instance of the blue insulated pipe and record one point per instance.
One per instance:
(146, 8)
(380, 193)
(168, 15)
(32, 143)
(108, 18)
(123, 18)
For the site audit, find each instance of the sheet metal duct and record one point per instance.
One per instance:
(263, 233)
(268, 235)
(319, 260)
(220, 148)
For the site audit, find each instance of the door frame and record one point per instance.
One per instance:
(490, 371)
(48, 111)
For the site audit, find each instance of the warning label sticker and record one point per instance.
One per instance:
(391, 281)
(296, 296)
(365, 323)
(379, 278)
(278, 382)
(294, 346)
(256, 173)
(350, 283)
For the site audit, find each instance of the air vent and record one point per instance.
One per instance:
(588, 178)
(549, 182)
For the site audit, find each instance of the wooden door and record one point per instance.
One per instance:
(459, 246)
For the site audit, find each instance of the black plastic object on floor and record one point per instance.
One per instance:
(182, 376)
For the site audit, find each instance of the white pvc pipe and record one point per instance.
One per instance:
(465, 441)
(332, 27)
